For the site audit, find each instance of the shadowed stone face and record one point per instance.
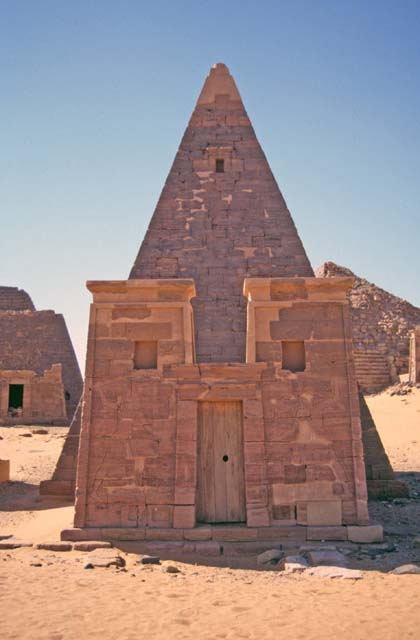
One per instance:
(220, 218)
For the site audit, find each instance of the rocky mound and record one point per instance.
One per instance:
(382, 323)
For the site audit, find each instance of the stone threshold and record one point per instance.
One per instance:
(220, 534)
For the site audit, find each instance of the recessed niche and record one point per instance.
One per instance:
(145, 354)
(293, 355)
(220, 165)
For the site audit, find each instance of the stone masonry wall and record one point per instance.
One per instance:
(138, 453)
(35, 340)
(14, 299)
(220, 227)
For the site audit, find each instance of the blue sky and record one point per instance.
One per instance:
(95, 97)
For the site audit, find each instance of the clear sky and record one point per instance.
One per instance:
(95, 96)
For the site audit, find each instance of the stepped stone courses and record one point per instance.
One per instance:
(222, 331)
(382, 324)
(36, 351)
(14, 299)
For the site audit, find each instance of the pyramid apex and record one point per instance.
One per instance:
(219, 82)
(220, 66)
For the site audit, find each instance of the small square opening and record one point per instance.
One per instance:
(16, 396)
(220, 165)
(145, 354)
(293, 355)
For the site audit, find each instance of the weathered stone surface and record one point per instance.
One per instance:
(326, 533)
(11, 543)
(381, 328)
(149, 560)
(271, 556)
(370, 533)
(76, 534)
(326, 557)
(220, 227)
(91, 545)
(54, 546)
(406, 569)
(14, 299)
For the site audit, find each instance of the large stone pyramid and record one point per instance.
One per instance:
(220, 218)
(220, 384)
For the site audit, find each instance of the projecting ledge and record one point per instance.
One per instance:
(159, 290)
(289, 289)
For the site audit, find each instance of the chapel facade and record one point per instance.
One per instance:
(220, 385)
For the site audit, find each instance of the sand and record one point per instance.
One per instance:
(61, 600)
(398, 421)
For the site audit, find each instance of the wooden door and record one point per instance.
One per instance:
(221, 482)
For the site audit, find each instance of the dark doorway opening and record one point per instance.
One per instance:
(15, 396)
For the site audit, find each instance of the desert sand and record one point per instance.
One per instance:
(49, 595)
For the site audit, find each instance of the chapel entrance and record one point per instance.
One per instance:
(15, 396)
(221, 480)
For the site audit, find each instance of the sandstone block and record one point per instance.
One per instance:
(12, 543)
(234, 534)
(198, 534)
(184, 517)
(326, 533)
(324, 513)
(76, 534)
(91, 545)
(369, 533)
(54, 546)
(208, 548)
(271, 556)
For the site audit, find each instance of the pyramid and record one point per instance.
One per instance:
(382, 324)
(37, 356)
(219, 227)
(220, 384)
